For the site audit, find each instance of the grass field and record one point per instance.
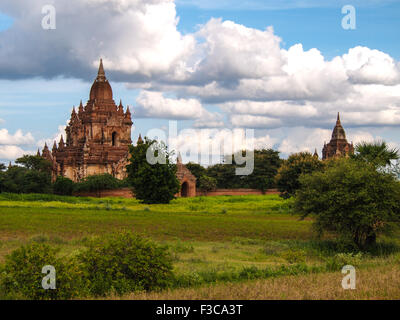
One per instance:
(216, 242)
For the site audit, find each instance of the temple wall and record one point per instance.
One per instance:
(127, 193)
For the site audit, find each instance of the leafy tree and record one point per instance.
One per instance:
(2, 167)
(378, 153)
(22, 274)
(125, 262)
(22, 180)
(152, 183)
(207, 183)
(197, 170)
(266, 165)
(35, 163)
(287, 178)
(98, 182)
(225, 176)
(350, 198)
(63, 186)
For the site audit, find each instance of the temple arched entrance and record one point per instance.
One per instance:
(185, 189)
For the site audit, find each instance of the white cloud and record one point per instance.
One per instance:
(8, 152)
(155, 105)
(366, 66)
(18, 138)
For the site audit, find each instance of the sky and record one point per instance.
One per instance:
(281, 68)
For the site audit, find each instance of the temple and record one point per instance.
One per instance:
(338, 146)
(97, 137)
(97, 141)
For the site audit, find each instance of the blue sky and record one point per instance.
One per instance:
(39, 102)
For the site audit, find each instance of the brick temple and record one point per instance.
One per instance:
(97, 141)
(338, 146)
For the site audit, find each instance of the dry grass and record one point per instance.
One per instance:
(378, 283)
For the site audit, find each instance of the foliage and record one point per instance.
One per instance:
(197, 170)
(98, 182)
(23, 274)
(377, 153)
(287, 178)
(63, 186)
(126, 262)
(206, 183)
(34, 176)
(350, 198)
(266, 164)
(22, 180)
(37, 163)
(152, 183)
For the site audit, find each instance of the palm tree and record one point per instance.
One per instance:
(377, 153)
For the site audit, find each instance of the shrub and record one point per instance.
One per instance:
(124, 263)
(63, 186)
(287, 178)
(98, 182)
(352, 199)
(207, 183)
(339, 260)
(22, 274)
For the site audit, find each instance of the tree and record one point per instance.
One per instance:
(2, 167)
(207, 183)
(37, 163)
(98, 182)
(266, 164)
(22, 180)
(63, 186)
(152, 183)
(225, 176)
(197, 170)
(378, 153)
(350, 198)
(287, 178)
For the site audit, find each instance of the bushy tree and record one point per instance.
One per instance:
(32, 175)
(207, 183)
(22, 274)
(197, 170)
(350, 198)
(152, 183)
(98, 182)
(125, 262)
(63, 186)
(22, 180)
(266, 165)
(35, 163)
(287, 178)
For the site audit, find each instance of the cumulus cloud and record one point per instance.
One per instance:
(12, 152)
(242, 70)
(366, 66)
(155, 105)
(18, 138)
(134, 37)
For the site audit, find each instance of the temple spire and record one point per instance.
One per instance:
(139, 140)
(338, 119)
(101, 75)
(179, 158)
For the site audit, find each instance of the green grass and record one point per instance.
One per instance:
(212, 239)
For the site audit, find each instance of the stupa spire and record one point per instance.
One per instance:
(101, 75)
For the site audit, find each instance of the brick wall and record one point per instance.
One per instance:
(236, 192)
(127, 193)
